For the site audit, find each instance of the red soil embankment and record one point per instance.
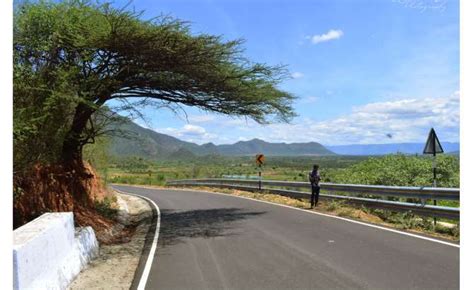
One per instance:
(56, 188)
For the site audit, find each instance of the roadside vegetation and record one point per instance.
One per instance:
(396, 169)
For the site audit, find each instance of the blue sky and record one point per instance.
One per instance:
(361, 69)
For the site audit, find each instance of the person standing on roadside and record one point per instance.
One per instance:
(314, 179)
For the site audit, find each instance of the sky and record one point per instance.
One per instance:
(380, 71)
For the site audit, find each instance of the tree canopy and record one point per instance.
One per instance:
(72, 57)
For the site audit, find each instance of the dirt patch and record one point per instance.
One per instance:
(116, 265)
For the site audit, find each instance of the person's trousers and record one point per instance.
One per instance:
(314, 194)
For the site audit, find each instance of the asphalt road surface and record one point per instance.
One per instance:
(210, 241)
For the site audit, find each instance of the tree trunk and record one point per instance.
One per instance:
(72, 147)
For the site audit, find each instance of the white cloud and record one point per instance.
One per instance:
(188, 132)
(189, 129)
(330, 35)
(297, 75)
(406, 120)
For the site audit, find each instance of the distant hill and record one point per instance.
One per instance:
(150, 144)
(382, 149)
(255, 146)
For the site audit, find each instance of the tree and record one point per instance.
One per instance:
(77, 56)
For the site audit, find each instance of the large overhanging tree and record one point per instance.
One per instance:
(78, 56)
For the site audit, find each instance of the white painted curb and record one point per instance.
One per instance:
(48, 252)
(151, 254)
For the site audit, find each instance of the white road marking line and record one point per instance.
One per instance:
(149, 261)
(326, 215)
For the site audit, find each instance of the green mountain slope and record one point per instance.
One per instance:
(150, 144)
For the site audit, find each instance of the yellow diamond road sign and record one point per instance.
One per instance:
(259, 158)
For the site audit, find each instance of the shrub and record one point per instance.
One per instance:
(105, 207)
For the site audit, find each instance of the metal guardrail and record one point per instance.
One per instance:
(422, 193)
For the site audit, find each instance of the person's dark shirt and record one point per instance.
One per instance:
(314, 177)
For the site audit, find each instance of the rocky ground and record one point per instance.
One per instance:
(115, 267)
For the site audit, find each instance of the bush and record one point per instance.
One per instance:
(105, 207)
(347, 212)
(333, 205)
(400, 170)
(454, 231)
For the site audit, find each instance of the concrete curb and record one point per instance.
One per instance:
(121, 265)
(48, 252)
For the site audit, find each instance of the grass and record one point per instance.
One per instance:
(106, 207)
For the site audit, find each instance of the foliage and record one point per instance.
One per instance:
(399, 169)
(452, 231)
(72, 57)
(134, 164)
(333, 205)
(402, 170)
(97, 153)
(105, 207)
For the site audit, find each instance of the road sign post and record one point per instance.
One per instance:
(433, 146)
(259, 159)
(259, 177)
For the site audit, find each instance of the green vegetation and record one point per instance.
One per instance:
(398, 169)
(135, 169)
(77, 64)
(96, 154)
(105, 207)
(73, 57)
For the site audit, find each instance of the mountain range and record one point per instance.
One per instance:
(150, 144)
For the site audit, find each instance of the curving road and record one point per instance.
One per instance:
(210, 241)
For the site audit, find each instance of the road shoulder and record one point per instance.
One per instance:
(117, 264)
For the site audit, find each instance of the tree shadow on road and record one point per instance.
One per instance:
(205, 223)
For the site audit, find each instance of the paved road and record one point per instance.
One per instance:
(210, 241)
